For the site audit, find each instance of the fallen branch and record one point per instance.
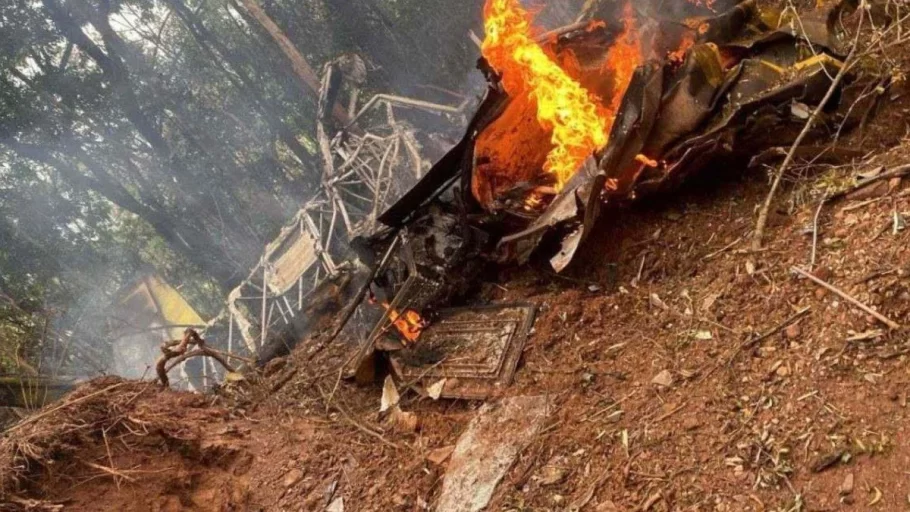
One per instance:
(110, 471)
(356, 424)
(36, 417)
(842, 294)
(175, 352)
(897, 172)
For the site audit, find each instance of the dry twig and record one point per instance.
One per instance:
(852, 300)
(759, 234)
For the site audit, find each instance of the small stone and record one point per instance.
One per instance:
(690, 424)
(783, 371)
(846, 488)
(292, 478)
(663, 379)
(793, 332)
(440, 455)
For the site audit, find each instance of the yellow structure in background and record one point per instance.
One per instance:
(145, 314)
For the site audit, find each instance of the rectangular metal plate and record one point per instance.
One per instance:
(476, 350)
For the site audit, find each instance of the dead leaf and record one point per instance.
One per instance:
(435, 390)
(293, 477)
(663, 379)
(876, 496)
(234, 377)
(709, 301)
(336, 506)
(658, 303)
(827, 461)
(552, 475)
(390, 396)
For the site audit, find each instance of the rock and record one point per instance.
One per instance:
(336, 506)
(846, 488)
(793, 332)
(440, 455)
(783, 371)
(487, 449)
(404, 422)
(663, 379)
(293, 477)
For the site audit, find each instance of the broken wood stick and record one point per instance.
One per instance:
(176, 351)
(783, 325)
(842, 294)
(898, 172)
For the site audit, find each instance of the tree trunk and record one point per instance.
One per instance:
(217, 51)
(302, 69)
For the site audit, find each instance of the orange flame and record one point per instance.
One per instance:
(409, 324)
(624, 57)
(578, 121)
(563, 105)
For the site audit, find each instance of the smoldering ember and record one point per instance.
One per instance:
(459, 256)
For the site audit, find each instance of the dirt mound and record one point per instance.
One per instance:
(112, 434)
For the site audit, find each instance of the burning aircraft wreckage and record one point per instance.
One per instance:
(590, 116)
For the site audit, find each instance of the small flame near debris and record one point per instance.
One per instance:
(679, 55)
(577, 119)
(646, 161)
(408, 323)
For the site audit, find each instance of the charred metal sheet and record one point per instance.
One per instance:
(475, 351)
(450, 168)
(685, 116)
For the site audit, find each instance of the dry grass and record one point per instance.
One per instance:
(105, 409)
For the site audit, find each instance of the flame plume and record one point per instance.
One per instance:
(579, 126)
